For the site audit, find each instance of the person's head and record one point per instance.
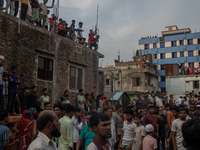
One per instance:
(171, 96)
(108, 111)
(60, 20)
(45, 91)
(4, 116)
(186, 93)
(97, 36)
(187, 110)
(91, 31)
(84, 39)
(137, 118)
(153, 94)
(5, 76)
(182, 113)
(87, 96)
(73, 21)
(118, 107)
(129, 114)
(92, 95)
(88, 116)
(167, 106)
(175, 110)
(52, 16)
(1, 60)
(77, 112)
(100, 124)
(47, 106)
(66, 93)
(109, 103)
(33, 113)
(48, 123)
(58, 109)
(26, 90)
(66, 25)
(191, 134)
(81, 91)
(11, 126)
(14, 69)
(48, 11)
(26, 114)
(149, 129)
(99, 97)
(151, 110)
(33, 89)
(80, 24)
(69, 110)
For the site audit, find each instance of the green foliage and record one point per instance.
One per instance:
(137, 53)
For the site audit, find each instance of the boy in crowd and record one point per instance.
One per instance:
(5, 91)
(140, 133)
(176, 131)
(79, 32)
(4, 130)
(23, 99)
(71, 29)
(32, 98)
(83, 42)
(12, 89)
(149, 143)
(191, 134)
(58, 109)
(128, 131)
(87, 133)
(43, 12)
(81, 99)
(66, 138)
(62, 29)
(77, 126)
(24, 8)
(44, 98)
(13, 141)
(51, 22)
(94, 42)
(65, 98)
(91, 37)
(47, 106)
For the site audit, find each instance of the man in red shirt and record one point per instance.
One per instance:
(62, 29)
(51, 22)
(91, 37)
(94, 42)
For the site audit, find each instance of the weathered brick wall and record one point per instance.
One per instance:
(22, 49)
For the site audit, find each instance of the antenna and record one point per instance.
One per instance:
(96, 28)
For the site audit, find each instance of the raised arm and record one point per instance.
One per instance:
(52, 4)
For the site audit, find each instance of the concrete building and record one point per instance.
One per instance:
(176, 46)
(47, 60)
(177, 85)
(131, 77)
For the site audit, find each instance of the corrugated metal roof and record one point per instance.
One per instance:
(117, 96)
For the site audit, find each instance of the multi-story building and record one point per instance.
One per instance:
(176, 46)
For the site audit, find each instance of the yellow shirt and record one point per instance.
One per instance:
(24, 1)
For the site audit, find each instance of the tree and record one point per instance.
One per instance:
(137, 53)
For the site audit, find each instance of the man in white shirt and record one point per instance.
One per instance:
(81, 99)
(79, 32)
(76, 125)
(49, 127)
(159, 101)
(178, 101)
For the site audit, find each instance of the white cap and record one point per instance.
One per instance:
(1, 57)
(186, 92)
(149, 128)
(146, 91)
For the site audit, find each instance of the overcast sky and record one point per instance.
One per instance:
(123, 22)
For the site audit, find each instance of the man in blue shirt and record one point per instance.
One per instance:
(4, 130)
(86, 133)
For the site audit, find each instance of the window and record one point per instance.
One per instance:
(195, 84)
(181, 54)
(155, 56)
(146, 46)
(173, 43)
(190, 42)
(162, 56)
(76, 78)
(174, 55)
(162, 67)
(45, 68)
(107, 81)
(198, 41)
(181, 42)
(191, 64)
(182, 65)
(135, 82)
(162, 78)
(190, 53)
(162, 44)
(154, 45)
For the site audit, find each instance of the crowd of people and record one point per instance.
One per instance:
(189, 70)
(151, 122)
(37, 13)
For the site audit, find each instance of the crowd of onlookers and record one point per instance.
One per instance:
(37, 13)
(189, 70)
(153, 121)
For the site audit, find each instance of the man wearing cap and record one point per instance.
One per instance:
(1, 74)
(149, 143)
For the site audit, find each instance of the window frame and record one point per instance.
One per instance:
(172, 44)
(183, 54)
(189, 42)
(197, 84)
(146, 45)
(155, 44)
(190, 63)
(182, 64)
(161, 67)
(46, 59)
(161, 55)
(181, 41)
(192, 53)
(155, 56)
(173, 54)
(162, 43)
(161, 79)
(108, 81)
(137, 82)
(76, 78)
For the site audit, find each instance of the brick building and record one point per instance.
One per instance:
(48, 60)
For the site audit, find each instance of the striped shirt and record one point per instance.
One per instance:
(5, 87)
(4, 134)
